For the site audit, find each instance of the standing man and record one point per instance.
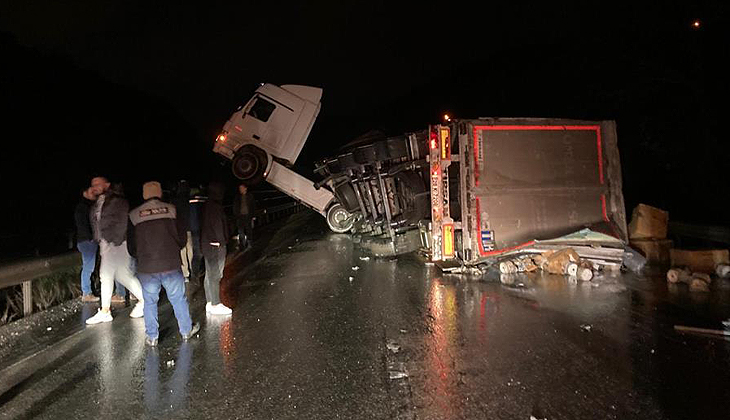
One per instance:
(158, 237)
(85, 243)
(182, 207)
(244, 207)
(213, 239)
(109, 220)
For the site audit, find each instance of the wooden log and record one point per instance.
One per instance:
(698, 285)
(679, 275)
(702, 276)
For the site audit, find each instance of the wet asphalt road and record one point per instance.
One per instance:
(311, 337)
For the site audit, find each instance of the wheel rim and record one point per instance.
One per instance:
(246, 166)
(339, 219)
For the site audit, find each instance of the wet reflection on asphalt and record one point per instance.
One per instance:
(312, 337)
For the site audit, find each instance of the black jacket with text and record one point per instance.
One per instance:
(158, 237)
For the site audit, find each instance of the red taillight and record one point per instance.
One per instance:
(221, 137)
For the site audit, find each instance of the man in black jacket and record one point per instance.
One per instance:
(109, 220)
(158, 239)
(244, 207)
(85, 243)
(213, 240)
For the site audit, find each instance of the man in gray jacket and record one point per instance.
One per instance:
(109, 220)
(157, 240)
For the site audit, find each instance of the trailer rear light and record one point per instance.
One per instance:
(221, 137)
(448, 240)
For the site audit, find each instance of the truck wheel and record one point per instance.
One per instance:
(249, 164)
(339, 219)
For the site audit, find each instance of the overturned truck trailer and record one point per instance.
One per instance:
(475, 190)
(465, 192)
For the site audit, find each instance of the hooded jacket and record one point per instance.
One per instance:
(158, 237)
(214, 227)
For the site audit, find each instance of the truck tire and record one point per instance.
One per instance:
(249, 164)
(339, 220)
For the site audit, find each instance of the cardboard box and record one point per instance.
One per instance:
(703, 261)
(656, 251)
(648, 222)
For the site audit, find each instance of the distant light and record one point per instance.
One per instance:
(447, 117)
(696, 24)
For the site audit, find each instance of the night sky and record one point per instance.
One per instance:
(138, 91)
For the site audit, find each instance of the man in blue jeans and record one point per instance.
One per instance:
(156, 244)
(85, 243)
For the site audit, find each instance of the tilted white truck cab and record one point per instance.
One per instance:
(267, 134)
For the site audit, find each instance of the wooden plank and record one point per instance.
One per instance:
(682, 328)
(703, 261)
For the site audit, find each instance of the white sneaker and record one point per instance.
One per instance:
(100, 317)
(137, 311)
(220, 309)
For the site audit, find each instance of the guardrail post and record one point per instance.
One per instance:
(27, 297)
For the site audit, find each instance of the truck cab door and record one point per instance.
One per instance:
(267, 123)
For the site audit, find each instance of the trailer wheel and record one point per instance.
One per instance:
(339, 219)
(249, 164)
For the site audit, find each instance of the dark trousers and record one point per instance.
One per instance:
(245, 229)
(215, 261)
(197, 255)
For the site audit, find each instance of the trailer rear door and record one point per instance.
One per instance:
(540, 179)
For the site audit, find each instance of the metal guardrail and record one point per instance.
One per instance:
(719, 234)
(24, 272)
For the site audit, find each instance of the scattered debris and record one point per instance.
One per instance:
(272, 283)
(392, 346)
(351, 279)
(402, 331)
(398, 372)
(633, 260)
(170, 363)
(364, 258)
(355, 268)
(49, 328)
(586, 327)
